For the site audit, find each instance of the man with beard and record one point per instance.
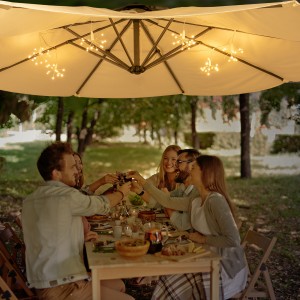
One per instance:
(177, 202)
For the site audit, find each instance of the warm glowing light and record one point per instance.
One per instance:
(232, 53)
(40, 56)
(209, 67)
(54, 71)
(94, 42)
(48, 59)
(183, 40)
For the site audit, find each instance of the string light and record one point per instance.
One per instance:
(40, 56)
(94, 43)
(232, 53)
(44, 57)
(209, 67)
(183, 40)
(54, 71)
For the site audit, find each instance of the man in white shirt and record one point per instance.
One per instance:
(53, 230)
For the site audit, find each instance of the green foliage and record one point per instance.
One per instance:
(285, 143)
(16, 104)
(227, 140)
(206, 139)
(230, 107)
(272, 98)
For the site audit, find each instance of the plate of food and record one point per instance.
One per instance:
(106, 246)
(179, 252)
(97, 218)
(135, 200)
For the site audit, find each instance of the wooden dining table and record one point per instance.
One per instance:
(112, 266)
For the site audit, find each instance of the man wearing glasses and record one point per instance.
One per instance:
(185, 160)
(180, 197)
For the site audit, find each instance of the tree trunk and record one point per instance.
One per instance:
(245, 136)
(176, 137)
(195, 138)
(70, 126)
(86, 133)
(90, 131)
(83, 131)
(59, 119)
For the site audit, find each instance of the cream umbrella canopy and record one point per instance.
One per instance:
(136, 52)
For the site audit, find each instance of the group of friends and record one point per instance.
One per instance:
(189, 186)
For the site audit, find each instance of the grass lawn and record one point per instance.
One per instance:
(270, 203)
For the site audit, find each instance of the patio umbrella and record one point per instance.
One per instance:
(141, 52)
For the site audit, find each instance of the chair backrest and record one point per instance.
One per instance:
(13, 247)
(262, 246)
(5, 292)
(15, 281)
(18, 221)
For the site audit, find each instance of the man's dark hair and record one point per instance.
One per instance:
(191, 153)
(51, 159)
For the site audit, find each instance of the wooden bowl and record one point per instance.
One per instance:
(132, 247)
(147, 215)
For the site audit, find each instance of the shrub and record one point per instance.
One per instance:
(206, 139)
(229, 140)
(285, 143)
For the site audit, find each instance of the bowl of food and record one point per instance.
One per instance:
(132, 247)
(147, 215)
(135, 200)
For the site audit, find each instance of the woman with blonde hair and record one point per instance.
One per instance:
(164, 179)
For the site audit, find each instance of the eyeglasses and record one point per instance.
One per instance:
(178, 162)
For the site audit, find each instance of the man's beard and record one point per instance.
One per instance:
(182, 176)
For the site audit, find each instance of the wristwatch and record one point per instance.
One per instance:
(141, 193)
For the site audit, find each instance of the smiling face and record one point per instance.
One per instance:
(184, 166)
(69, 173)
(169, 161)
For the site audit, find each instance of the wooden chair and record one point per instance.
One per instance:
(18, 222)
(14, 280)
(262, 246)
(5, 292)
(13, 247)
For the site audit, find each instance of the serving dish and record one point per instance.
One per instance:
(132, 247)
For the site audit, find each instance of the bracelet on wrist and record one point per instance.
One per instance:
(141, 193)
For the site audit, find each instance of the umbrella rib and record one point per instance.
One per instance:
(88, 77)
(121, 41)
(215, 27)
(149, 55)
(121, 65)
(59, 45)
(242, 61)
(35, 55)
(159, 53)
(177, 50)
(113, 57)
(103, 58)
(173, 52)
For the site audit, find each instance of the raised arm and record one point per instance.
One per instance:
(164, 199)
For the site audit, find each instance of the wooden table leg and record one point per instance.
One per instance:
(96, 287)
(214, 280)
